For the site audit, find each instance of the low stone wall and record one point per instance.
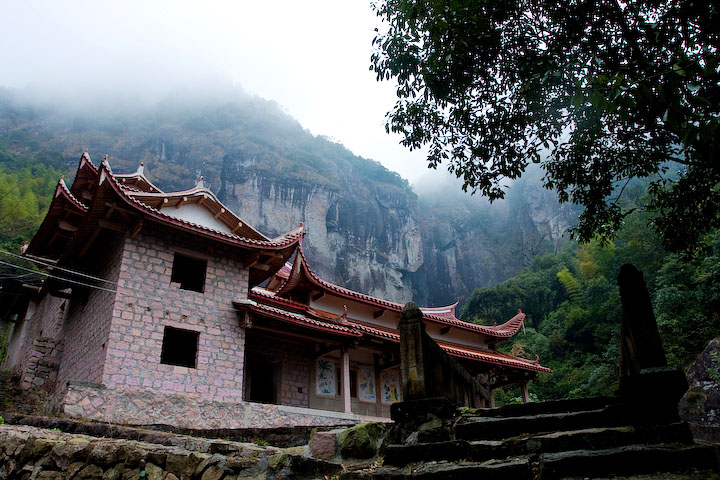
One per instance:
(41, 368)
(142, 407)
(30, 452)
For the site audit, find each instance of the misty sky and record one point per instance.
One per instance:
(312, 57)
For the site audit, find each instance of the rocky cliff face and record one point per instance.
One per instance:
(361, 235)
(379, 240)
(366, 229)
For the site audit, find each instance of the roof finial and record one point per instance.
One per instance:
(24, 247)
(343, 318)
(141, 169)
(106, 157)
(87, 150)
(200, 182)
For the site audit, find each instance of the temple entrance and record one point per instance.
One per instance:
(263, 381)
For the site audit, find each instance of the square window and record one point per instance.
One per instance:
(189, 272)
(179, 347)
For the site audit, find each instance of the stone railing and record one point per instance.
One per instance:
(429, 372)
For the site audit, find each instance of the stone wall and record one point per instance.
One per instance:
(147, 302)
(30, 452)
(144, 407)
(84, 333)
(41, 367)
(33, 349)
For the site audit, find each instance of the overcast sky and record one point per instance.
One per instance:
(311, 56)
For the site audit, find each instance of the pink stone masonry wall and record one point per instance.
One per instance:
(147, 302)
(87, 326)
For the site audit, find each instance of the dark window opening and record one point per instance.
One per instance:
(179, 347)
(262, 381)
(353, 382)
(189, 272)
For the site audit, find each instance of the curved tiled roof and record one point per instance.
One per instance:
(441, 315)
(444, 312)
(256, 292)
(138, 178)
(86, 161)
(359, 329)
(376, 331)
(494, 357)
(281, 242)
(300, 319)
(363, 328)
(62, 189)
(228, 218)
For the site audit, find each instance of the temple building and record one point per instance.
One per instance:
(168, 308)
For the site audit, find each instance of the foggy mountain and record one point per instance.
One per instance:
(367, 228)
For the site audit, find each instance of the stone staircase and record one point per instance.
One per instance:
(567, 439)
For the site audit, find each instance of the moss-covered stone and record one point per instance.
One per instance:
(361, 441)
(278, 461)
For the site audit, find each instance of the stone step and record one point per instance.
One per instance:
(452, 450)
(585, 439)
(519, 469)
(627, 460)
(550, 406)
(589, 439)
(495, 428)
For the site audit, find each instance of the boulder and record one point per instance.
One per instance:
(700, 406)
(362, 441)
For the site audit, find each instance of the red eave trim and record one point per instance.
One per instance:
(300, 269)
(496, 358)
(302, 320)
(260, 294)
(378, 332)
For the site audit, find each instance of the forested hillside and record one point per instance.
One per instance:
(574, 310)
(26, 187)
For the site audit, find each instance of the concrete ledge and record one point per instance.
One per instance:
(144, 407)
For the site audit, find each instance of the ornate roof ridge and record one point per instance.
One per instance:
(282, 241)
(62, 187)
(196, 191)
(85, 160)
(139, 174)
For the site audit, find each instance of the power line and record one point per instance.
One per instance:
(58, 278)
(139, 294)
(54, 267)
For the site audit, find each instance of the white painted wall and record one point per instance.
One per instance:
(192, 212)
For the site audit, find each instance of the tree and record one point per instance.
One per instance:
(598, 91)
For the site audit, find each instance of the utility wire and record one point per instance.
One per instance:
(139, 294)
(54, 267)
(48, 275)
